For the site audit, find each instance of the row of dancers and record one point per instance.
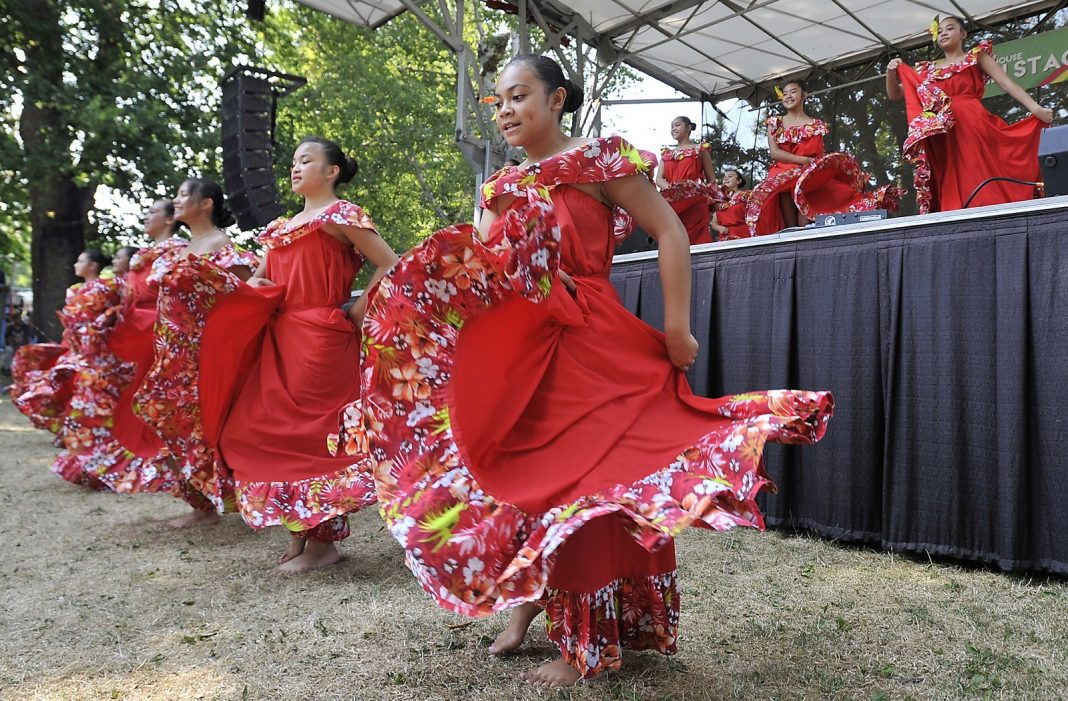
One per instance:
(531, 445)
(953, 144)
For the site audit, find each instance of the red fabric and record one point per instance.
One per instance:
(601, 552)
(732, 216)
(964, 143)
(231, 336)
(544, 369)
(695, 215)
(306, 370)
(131, 341)
(781, 178)
(694, 212)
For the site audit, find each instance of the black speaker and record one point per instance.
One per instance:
(1053, 158)
(249, 97)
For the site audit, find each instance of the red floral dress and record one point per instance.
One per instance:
(75, 397)
(954, 143)
(531, 445)
(731, 214)
(690, 194)
(305, 372)
(130, 457)
(184, 394)
(834, 182)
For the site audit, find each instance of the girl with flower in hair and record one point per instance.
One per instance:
(953, 142)
(804, 181)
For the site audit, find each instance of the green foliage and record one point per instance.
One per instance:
(133, 89)
(388, 98)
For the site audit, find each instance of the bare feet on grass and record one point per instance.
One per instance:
(316, 554)
(551, 675)
(194, 518)
(296, 547)
(512, 637)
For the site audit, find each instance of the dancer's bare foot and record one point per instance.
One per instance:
(317, 554)
(551, 675)
(512, 637)
(296, 547)
(194, 518)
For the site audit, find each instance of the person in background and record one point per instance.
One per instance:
(953, 142)
(687, 179)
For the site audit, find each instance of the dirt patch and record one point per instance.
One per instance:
(99, 602)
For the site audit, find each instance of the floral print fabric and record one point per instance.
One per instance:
(935, 118)
(278, 233)
(75, 397)
(473, 553)
(169, 398)
(634, 613)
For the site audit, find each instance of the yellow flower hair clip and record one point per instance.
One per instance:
(779, 93)
(933, 29)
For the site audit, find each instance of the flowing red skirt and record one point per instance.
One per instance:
(695, 215)
(979, 146)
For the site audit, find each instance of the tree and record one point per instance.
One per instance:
(387, 97)
(105, 92)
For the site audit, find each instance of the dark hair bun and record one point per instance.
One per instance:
(222, 217)
(348, 170)
(574, 97)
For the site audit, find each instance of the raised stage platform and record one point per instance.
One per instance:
(945, 341)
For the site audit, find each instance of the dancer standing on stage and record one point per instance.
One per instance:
(729, 219)
(803, 181)
(687, 179)
(954, 143)
(307, 369)
(543, 456)
(202, 301)
(130, 457)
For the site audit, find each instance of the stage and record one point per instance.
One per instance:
(945, 341)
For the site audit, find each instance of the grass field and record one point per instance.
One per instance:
(97, 601)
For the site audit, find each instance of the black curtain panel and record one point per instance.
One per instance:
(946, 347)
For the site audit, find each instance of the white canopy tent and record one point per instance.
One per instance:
(707, 49)
(712, 49)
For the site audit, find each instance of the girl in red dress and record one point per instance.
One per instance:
(537, 447)
(130, 457)
(70, 388)
(729, 219)
(954, 143)
(202, 297)
(687, 179)
(804, 182)
(307, 368)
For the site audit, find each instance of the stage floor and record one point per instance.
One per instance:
(945, 341)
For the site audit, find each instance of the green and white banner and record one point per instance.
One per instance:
(1036, 60)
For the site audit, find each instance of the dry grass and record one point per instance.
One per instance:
(100, 603)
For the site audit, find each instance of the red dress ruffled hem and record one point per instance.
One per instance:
(472, 550)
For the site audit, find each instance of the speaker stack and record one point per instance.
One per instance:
(1053, 158)
(249, 98)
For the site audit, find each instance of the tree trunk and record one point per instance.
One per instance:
(57, 241)
(59, 207)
